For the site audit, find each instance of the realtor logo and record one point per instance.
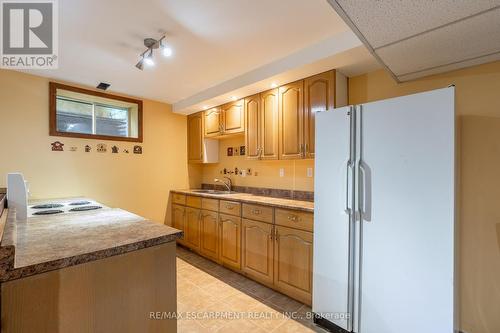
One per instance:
(29, 34)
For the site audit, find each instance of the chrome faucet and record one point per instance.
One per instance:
(227, 184)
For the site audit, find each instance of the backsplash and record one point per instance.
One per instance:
(289, 176)
(267, 192)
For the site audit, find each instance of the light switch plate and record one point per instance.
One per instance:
(282, 172)
(309, 172)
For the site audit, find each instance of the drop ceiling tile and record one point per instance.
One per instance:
(387, 21)
(452, 67)
(464, 40)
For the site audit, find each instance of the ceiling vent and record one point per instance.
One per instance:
(103, 86)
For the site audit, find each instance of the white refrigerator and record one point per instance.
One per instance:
(384, 216)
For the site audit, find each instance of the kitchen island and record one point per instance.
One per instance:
(105, 270)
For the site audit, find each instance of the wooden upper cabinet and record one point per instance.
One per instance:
(291, 120)
(212, 122)
(252, 126)
(293, 255)
(257, 250)
(269, 125)
(195, 137)
(319, 95)
(233, 117)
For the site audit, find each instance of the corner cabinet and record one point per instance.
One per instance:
(195, 137)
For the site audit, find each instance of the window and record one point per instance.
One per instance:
(84, 113)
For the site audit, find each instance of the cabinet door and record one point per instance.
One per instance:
(193, 227)
(178, 220)
(233, 117)
(291, 113)
(210, 234)
(212, 122)
(257, 250)
(195, 137)
(293, 254)
(230, 240)
(252, 126)
(269, 125)
(319, 92)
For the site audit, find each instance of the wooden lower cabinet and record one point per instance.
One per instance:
(257, 250)
(210, 234)
(230, 240)
(192, 236)
(293, 255)
(178, 220)
(273, 251)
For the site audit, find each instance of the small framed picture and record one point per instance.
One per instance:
(229, 151)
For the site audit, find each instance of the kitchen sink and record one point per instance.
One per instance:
(213, 192)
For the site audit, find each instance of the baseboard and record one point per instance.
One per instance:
(328, 325)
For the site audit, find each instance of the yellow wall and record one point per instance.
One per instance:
(478, 110)
(295, 176)
(138, 183)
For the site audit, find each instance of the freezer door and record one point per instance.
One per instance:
(332, 199)
(407, 204)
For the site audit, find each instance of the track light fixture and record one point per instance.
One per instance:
(147, 56)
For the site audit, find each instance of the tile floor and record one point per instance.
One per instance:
(211, 298)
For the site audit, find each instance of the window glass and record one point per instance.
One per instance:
(74, 116)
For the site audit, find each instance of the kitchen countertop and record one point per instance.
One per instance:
(44, 243)
(305, 206)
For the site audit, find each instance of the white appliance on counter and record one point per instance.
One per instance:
(384, 218)
(18, 193)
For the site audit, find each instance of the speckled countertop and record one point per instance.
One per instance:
(43, 243)
(305, 206)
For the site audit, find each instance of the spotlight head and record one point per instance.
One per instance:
(140, 64)
(148, 59)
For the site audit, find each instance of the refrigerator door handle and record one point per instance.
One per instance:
(365, 195)
(347, 208)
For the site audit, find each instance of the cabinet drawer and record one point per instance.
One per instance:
(210, 204)
(179, 198)
(294, 219)
(230, 207)
(193, 201)
(258, 213)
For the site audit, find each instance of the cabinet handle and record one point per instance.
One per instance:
(276, 235)
(256, 211)
(306, 148)
(293, 218)
(229, 207)
(260, 152)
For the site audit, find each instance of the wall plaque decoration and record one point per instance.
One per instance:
(88, 149)
(57, 146)
(114, 150)
(242, 150)
(101, 148)
(229, 151)
(137, 150)
(125, 151)
(73, 148)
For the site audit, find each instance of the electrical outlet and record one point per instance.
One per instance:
(243, 173)
(282, 172)
(309, 172)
